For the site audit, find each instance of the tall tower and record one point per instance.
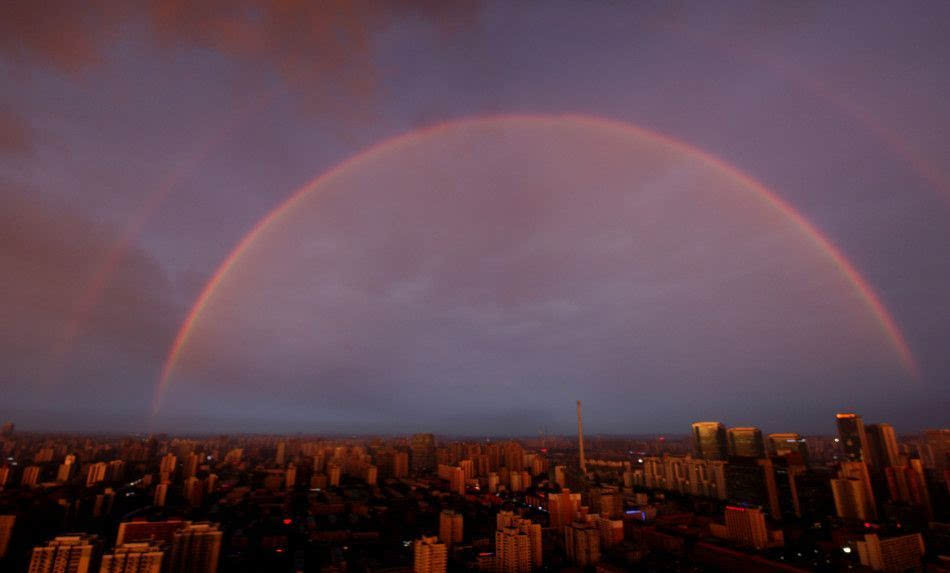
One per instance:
(580, 439)
(854, 441)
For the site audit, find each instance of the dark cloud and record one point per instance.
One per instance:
(15, 136)
(48, 255)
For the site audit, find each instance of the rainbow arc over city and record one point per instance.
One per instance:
(860, 285)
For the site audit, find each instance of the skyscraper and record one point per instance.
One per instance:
(429, 556)
(854, 442)
(195, 549)
(745, 442)
(580, 439)
(882, 446)
(67, 553)
(709, 439)
(133, 558)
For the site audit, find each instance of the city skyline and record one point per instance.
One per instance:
(463, 218)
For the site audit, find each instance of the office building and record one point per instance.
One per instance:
(76, 553)
(709, 440)
(853, 438)
(517, 543)
(195, 549)
(745, 442)
(133, 558)
(429, 556)
(450, 527)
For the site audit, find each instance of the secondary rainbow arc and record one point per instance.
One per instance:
(864, 290)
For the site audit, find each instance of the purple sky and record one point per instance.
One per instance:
(482, 281)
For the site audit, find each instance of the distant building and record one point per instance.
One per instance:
(903, 553)
(429, 556)
(423, 453)
(76, 553)
(935, 450)
(6, 429)
(450, 527)
(133, 558)
(709, 440)
(745, 442)
(195, 549)
(854, 441)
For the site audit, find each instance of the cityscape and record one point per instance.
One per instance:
(480, 286)
(719, 499)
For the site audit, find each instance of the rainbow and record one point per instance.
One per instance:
(862, 288)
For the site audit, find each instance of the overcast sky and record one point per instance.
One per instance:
(481, 277)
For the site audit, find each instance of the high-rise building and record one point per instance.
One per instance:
(31, 476)
(850, 499)
(195, 549)
(903, 553)
(96, 473)
(746, 526)
(281, 453)
(423, 453)
(882, 446)
(429, 556)
(450, 527)
(580, 440)
(854, 441)
(709, 440)
(133, 558)
(67, 553)
(582, 543)
(65, 471)
(5, 473)
(563, 507)
(935, 450)
(789, 444)
(745, 442)
(161, 494)
(859, 471)
(6, 532)
(517, 543)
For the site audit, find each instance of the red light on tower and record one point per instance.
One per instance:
(288, 521)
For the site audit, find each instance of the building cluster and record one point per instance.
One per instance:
(724, 498)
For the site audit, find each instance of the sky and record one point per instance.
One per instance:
(671, 211)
